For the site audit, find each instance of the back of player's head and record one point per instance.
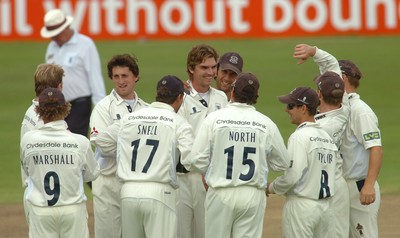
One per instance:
(302, 96)
(352, 72)
(124, 60)
(245, 88)
(198, 54)
(47, 76)
(331, 86)
(52, 104)
(168, 88)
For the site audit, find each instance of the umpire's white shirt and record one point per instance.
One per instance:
(313, 157)
(57, 162)
(362, 133)
(146, 142)
(234, 146)
(82, 69)
(109, 110)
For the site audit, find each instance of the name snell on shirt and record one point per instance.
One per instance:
(52, 159)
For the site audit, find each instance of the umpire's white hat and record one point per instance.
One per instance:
(55, 22)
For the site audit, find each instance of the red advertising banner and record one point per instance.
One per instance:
(194, 19)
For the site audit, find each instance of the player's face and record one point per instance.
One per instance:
(225, 78)
(124, 82)
(204, 73)
(294, 112)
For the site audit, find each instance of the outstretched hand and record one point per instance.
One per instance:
(303, 51)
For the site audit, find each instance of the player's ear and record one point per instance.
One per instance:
(137, 79)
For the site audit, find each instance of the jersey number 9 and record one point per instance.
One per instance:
(55, 192)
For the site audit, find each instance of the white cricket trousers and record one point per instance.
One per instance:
(363, 218)
(190, 197)
(106, 206)
(307, 218)
(341, 209)
(236, 212)
(148, 210)
(69, 221)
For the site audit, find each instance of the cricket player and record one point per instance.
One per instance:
(203, 99)
(362, 156)
(123, 70)
(57, 163)
(46, 76)
(309, 182)
(235, 147)
(229, 66)
(149, 143)
(333, 116)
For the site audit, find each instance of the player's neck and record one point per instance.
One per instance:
(200, 88)
(327, 107)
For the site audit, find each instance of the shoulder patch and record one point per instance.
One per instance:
(371, 136)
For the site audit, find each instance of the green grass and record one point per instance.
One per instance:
(270, 59)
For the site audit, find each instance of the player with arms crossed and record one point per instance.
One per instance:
(123, 70)
(149, 142)
(333, 116)
(309, 182)
(57, 163)
(362, 156)
(203, 99)
(234, 148)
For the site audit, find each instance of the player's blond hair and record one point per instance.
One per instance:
(47, 76)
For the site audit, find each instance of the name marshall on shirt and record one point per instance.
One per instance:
(52, 159)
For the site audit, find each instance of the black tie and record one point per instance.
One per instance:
(204, 102)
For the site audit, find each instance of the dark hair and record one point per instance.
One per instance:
(164, 95)
(247, 95)
(352, 72)
(124, 60)
(311, 110)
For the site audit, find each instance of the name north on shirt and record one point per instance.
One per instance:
(53, 159)
(242, 136)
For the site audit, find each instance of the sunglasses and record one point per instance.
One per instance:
(290, 106)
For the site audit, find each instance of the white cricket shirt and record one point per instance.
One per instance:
(235, 146)
(109, 110)
(362, 133)
(57, 162)
(147, 142)
(194, 111)
(313, 157)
